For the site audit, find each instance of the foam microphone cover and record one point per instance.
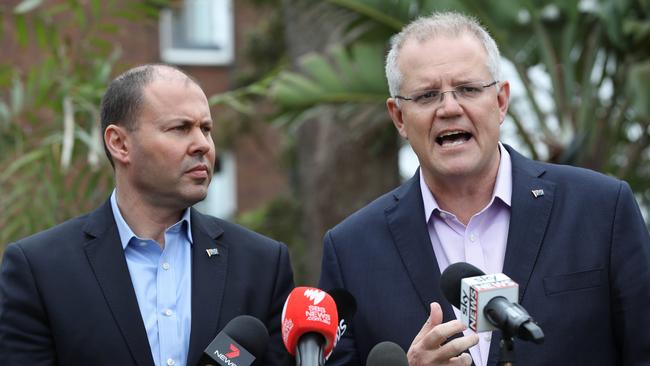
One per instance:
(387, 354)
(346, 305)
(450, 280)
(241, 342)
(250, 333)
(309, 310)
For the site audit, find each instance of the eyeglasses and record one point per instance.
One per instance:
(464, 92)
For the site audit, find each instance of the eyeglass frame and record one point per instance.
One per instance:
(442, 92)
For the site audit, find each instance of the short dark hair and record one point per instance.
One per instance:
(125, 95)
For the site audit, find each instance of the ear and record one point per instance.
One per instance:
(503, 99)
(397, 116)
(117, 143)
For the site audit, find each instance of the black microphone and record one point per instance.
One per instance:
(240, 343)
(488, 302)
(346, 307)
(387, 354)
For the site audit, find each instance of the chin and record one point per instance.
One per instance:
(197, 196)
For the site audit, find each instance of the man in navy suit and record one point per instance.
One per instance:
(574, 240)
(144, 279)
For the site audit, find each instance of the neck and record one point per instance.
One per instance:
(463, 202)
(463, 196)
(146, 219)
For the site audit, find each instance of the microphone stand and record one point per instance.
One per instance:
(310, 350)
(506, 351)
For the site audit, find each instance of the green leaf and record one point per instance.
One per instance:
(374, 11)
(372, 70)
(319, 69)
(639, 88)
(96, 8)
(80, 17)
(297, 84)
(26, 6)
(22, 36)
(111, 28)
(24, 160)
(42, 33)
(102, 45)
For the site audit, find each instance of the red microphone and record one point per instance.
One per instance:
(309, 325)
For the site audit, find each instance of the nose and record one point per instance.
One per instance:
(442, 95)
(201, 142)
(449, 106)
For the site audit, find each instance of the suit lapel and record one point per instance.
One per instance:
(529, 218)
(208, 283)
(411, 237)
(108, 263)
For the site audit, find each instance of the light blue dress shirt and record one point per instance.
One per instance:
(162, 279)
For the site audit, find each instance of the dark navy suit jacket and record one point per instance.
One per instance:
(66, 297)
(580, 254)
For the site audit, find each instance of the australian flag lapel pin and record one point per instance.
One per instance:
(212, 251)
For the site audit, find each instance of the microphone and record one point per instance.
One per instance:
(387, 354)
(309, 325)
(346, 307)
(240, 343)
(488, 302)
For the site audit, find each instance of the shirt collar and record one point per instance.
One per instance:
(126, 234)
(502, 186)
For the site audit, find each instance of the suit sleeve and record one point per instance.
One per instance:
(630, 280)
(276, 354)
(25, 337)
(345, 352)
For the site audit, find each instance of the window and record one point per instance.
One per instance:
(198, 32)
(222, 192)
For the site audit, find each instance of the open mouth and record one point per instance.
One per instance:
(453, 138)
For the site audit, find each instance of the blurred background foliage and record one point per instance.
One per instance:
(52, 164)
(580, 75)
(580, 93)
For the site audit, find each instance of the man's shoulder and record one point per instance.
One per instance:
(566, 175)
(372, 215)
(66, 233)
(578, 177)
(232, 233)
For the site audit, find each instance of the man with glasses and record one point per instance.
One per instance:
(574, 240)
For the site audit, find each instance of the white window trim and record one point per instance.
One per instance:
(221, 200)
(195, 56)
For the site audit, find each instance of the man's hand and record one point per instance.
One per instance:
(429, 347)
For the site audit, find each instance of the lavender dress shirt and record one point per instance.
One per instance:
(481, 243)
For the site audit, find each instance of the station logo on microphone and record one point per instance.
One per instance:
(287, 326)
(314, 312)
(477, 291)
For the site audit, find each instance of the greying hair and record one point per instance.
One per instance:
(439, 24)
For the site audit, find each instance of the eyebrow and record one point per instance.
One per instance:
(454, 84)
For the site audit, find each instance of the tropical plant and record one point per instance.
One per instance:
(580, 69)
(51, 157)
(580, 74)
